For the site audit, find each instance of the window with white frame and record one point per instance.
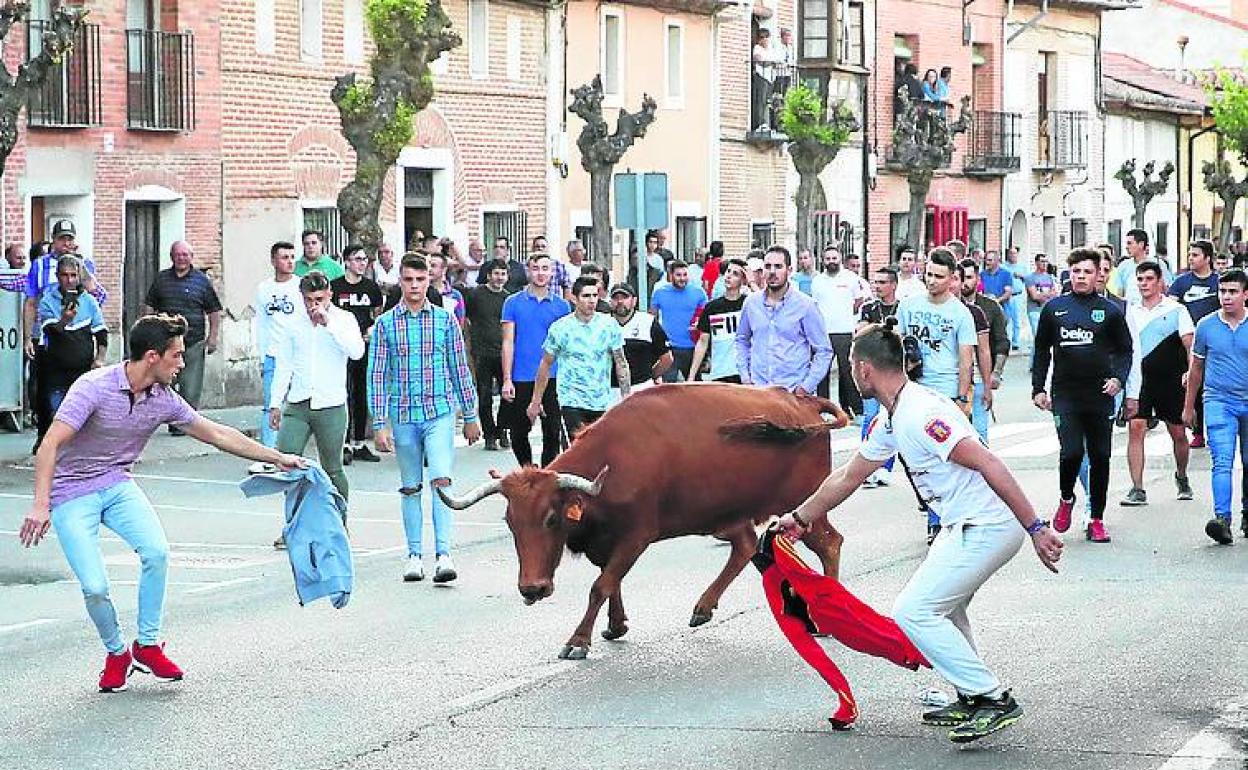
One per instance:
(353, 31)
(612, 65)
(311, 30)
(479, 39)
(266, 27)
(674, 62)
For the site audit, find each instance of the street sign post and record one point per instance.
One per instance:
(11, 353)
(641, 203)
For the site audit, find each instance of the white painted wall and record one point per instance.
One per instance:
(1142, 139)
(1150, 33)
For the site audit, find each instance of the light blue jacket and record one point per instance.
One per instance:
(316, 540)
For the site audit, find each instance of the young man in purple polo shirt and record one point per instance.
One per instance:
(82, 480)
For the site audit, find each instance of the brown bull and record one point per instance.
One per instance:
(670, 461)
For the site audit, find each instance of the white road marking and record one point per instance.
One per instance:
(1214, 743)
(14, 627)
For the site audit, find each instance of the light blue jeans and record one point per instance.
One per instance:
(931, 609)
(979, 413)
(414, 444)
(1226, 424)
(1033, 320)
(268, 436)
(125, 510)
(1010, 306)
(870, 408)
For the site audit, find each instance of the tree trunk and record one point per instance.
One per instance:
(1137, 219)
(918, 209)
(1229, 205)
(600, 213)
(807, 186)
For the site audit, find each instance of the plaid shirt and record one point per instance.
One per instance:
(417, 368)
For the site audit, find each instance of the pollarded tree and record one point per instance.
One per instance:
(16, 90)
(377, 113)
(600, 151)
(1229, 98)
(1143, 191)
(816, 133)
(923, 141)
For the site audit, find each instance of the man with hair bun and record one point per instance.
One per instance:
(985, 514)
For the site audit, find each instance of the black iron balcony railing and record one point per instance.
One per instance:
(1062, 140)
(160, 89)
(992, 143)
(769, 82)
(70, 96)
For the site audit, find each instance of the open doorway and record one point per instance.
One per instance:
(417, 204)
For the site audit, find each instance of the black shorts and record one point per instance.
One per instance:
(1162, 399)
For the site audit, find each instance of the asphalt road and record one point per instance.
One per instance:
(1130, 658)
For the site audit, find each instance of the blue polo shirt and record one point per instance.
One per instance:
(1225, 353)
(676, 309)
(532, 317)
(996, 283)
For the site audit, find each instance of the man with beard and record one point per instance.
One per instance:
(781, 339)
(839, 295)
(717, 327)
(676, 305)
(645, 343)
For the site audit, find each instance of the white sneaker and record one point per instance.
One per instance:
(444, 570)
(259, 467)
(881, 477)
(415, 569)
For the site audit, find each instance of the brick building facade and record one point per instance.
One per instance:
(965, 199)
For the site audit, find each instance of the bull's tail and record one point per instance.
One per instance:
(761, 429)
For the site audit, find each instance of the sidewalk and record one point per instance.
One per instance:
(15, 447)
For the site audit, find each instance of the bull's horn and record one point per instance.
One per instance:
(472, 498)
(582, 484)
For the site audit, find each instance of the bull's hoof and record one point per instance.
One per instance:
(611, 634)
(699, 618)
(571, 652)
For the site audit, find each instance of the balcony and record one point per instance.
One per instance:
(1061, 141)
(992, 144)
(70, 96)
(160, 88)
(769, 82)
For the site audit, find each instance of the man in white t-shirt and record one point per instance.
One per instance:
(386, 270)
(985, 518)
(839, 295)
(277, 304)
(909, 283)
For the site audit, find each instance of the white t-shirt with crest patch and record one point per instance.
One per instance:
(924, 429)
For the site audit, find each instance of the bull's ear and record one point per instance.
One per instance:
(574, 509)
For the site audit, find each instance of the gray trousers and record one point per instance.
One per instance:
(190, 382)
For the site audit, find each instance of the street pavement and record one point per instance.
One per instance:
(1130, 658)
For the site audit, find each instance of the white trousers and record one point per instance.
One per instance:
(931, 609)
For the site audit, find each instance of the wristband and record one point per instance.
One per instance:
(799, 519)
(1036, 526)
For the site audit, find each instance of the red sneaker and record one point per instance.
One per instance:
(116, 671)
(1096, 532)
(1061, 518)
(1197, 442)
(151, 659)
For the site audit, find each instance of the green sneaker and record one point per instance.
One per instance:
(949, 716)
(990, 716)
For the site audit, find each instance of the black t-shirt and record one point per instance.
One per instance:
(483, 309)
(645, 343)
(360, 299)
(875, 311)
(719, 319)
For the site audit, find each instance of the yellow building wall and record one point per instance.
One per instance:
(1206, 207)
(679, 142)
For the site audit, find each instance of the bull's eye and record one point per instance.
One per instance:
(552, 520)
